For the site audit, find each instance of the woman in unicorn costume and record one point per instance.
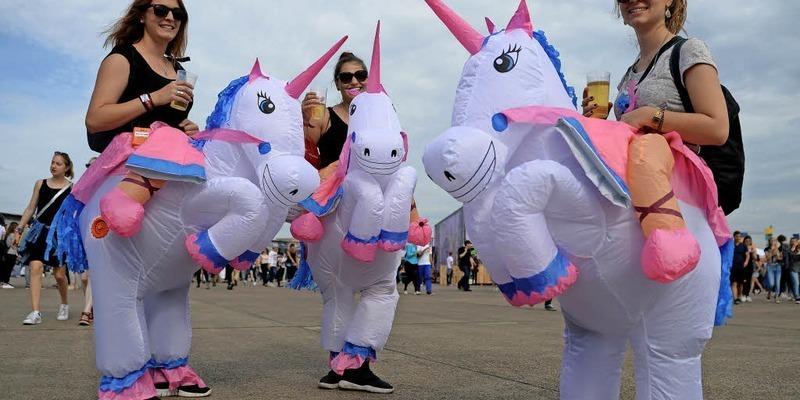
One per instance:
(254, 171)
(357, 225)
(546, 202)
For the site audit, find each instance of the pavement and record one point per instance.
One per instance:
(263, 343)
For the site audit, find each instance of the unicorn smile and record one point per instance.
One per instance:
(379, 168)
(273, 193)
(479, 180)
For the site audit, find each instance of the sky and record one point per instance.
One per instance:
(50, 52)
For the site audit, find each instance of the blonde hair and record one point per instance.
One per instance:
(677, 15)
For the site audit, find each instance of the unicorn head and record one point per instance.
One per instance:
(512, 67)
(268, 109)
(376, 143)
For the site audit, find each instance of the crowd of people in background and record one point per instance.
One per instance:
(774, 270)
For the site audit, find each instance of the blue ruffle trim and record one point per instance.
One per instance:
(538, 283)
(65, 236)
(725, 298)
(190, 172)
(350, 237)
(354, 350)
(207, 249)
(553, 54)
(249, 256)
(222, 110)
(117, 385)
(394, 237)
(321, 210)
(31, 237)
(303, 280)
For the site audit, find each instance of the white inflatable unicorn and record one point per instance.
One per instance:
(254, 170)
(354, 247)
(546, 204)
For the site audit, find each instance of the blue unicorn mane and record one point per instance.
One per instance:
(553, 54)
(222, 110)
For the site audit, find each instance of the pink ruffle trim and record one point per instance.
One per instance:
(142, 389)
(307, 228)
(389, 246)
(181, 376)
(364, 252)
(199, 258)
(347, 361)
(521, 299)
(669, 254)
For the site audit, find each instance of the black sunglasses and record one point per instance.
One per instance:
(161, 11)
(346, 77)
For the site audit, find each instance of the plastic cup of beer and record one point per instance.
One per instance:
(597, 84)
(183, 76)
(318, 109)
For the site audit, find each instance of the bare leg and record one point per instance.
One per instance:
(35, 273)
(60, 273)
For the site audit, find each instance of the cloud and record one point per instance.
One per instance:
(56, 47)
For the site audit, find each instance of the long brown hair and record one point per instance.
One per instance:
(344, 58)
(677, 15)
(129, 29)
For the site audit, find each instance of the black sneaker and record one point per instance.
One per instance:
(193, 391)
(364, 380)
(737, 301)
(330, 381)
(549, 307)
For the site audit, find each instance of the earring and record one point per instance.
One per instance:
(141, 21)
(669, 14)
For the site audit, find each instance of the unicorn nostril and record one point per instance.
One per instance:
(366, 152)
(449, 176)
(293, 192)
(394, 153)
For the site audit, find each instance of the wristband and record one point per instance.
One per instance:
(147, 102)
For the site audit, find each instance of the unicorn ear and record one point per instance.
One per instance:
(405, 144)
(461, 29)
(255, 72)
(374, 82)
(297, 85)
(489, 25)
(521, 19)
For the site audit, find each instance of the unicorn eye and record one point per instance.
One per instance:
(265, 104)
(352, 109)
(508, 60)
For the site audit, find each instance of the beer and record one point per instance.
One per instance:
(189, 77)
(318, 109)
(599, 90)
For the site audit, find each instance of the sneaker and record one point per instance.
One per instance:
(63, 312)
(549, 307)
(194, 391)
(748, 299)
(797, 301)
(6, 285)
(364, 380)
(737, 301)
(777, 301)
(34, 318)
(162, 390)
(417, 293)
(86, 319)
(330, 381)
(405, 291)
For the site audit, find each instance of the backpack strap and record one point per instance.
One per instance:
(675, 71)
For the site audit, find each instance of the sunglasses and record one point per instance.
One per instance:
(60, 153)
(346, 77)
(161, 11)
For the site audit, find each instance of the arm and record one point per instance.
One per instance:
(28, 213)
(746, 258)
(707, 125)
(312, 129)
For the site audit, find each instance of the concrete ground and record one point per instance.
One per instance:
(263, 343)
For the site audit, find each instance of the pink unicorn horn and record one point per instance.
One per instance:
(255, 72)
(521, 19)
(489, 25)
(461, 29)
(374, 82)
(297, 85)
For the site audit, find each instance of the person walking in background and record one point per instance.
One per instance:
(410, 268)
(263, 265)
(229, 276)
(450, 268)
(757, 263)
(740, 259)
(281, 269)
(785, 285)
(424, 267)
(794, 268)
(774, 258)
(465, 265)
(272, 265)
(48, 194)
(8, 258)
(747, 273)
(291, 262)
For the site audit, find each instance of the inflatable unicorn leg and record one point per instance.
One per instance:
(370, 326)
(243, 211)
(397, 208)
(592, 364)
(338, 306)
(170, 332)
(539, 266)
(361, 240)
(669, 344)
(670, 251)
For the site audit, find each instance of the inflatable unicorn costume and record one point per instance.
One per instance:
(354, 248)
(254, 171)
(546, 202)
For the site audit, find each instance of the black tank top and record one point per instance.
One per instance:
(330, 144)
(141, 79)
(45, 194)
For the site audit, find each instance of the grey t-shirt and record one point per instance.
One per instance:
(658, 87)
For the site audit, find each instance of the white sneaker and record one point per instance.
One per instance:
(6, 286)
(63, 312)
(749, 299)
(416, 293)
(405, 291)
(34, 318)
